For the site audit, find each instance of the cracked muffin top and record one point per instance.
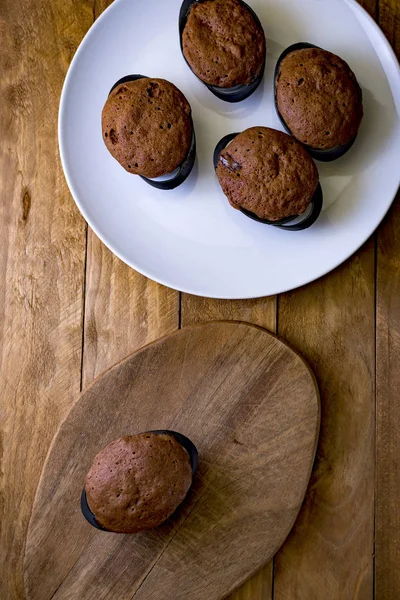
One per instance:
(319, 98)
(138, 481)
(222, 43)
(147, 126)
(267, 173)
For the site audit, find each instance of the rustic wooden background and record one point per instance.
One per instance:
(69, 310)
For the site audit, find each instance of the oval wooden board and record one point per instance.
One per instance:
(251, 406)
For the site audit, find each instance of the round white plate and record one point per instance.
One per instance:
(190, 238)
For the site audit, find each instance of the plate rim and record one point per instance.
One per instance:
(328, 268)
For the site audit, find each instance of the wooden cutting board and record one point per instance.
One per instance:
(251, 406)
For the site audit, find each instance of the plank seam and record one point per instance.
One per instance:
(375, 401)
(277, 299)
(377, 18)
(84, 305)
(277, 315)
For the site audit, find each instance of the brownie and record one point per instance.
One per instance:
(138, 481)
(147, 126)
(223, 44)
(267, 173)
(319, 98)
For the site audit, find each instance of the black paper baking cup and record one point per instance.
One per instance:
(182, 172)
(321, 154)
(236, 93)
(310, 216)
(184, 442)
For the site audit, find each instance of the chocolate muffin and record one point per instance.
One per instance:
(138, 481)
(147, 126)
(318, 98)
(268, 174)
(223, 43)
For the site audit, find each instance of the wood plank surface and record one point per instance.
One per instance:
(371, 6)
(329, 553)
(249, 404)
(389, 21)
(387, 514)
(41, 259)
(262, 312)
(387, 517)
(123, 310)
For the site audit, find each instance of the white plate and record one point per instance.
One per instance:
(190, 239)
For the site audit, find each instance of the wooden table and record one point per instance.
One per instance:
(70, 309)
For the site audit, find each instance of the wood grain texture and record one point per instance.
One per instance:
(100, 6)
(257, 587)
(329, 553)
(41, 259)
(262, 312)
(250, 405)
(387, 513)
(123, 310)
(371, 6)
(389, 21)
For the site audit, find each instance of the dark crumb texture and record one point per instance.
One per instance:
(147, 126)
(319, 98)
(137, 482)
(267, 173)
(223, 44)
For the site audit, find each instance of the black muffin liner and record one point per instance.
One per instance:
(87, 513)
(316, 202)
(186, 166)
(184, 442)
(325, 154)
(236, 93)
